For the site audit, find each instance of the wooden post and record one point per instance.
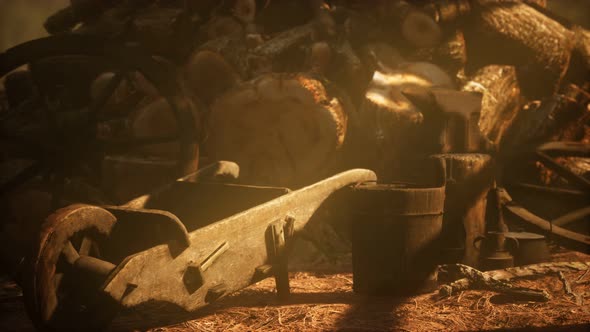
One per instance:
(469, 177)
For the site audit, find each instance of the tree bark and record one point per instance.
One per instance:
(501, 99)
(515, 34)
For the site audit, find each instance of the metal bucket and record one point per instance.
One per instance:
(395, 237)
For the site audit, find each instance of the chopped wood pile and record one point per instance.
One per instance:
(294, 91)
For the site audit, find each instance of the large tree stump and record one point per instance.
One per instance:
(517, 34)
(281, 129)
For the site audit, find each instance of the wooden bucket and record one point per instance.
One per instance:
(395, 237)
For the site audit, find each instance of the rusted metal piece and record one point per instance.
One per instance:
(64, 275)
(154, 275)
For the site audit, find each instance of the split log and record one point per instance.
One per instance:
(501, 100)
(221, 26)
(208, 75)
(250, 55)
(157, 120)
(446, 11)
(452, 53)
(549, 118)
(233, 49)
(480, 280)
(514, 34)
(348, 71)
(415, 25)
(281, 129)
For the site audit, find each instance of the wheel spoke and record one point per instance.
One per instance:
(574, 179)
(572, 216)
(104, 96)
(85, 246)
(70, 253)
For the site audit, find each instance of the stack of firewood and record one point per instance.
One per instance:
(295, 90)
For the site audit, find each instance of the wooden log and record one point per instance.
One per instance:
(469, 178)
(281, 129)
(480, 280)
(381, 57)
(552, 118)
(445, 11)
(501, 100)
(348, 71)
(157, 120)
(517, 34)
(451, 54)
(580, 64)
(415, 25)
(208, 75)
(520, 272)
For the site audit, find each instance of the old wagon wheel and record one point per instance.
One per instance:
(64, 274)
(579, 193)
(62, 141)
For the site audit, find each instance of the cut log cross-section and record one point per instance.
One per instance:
(281, 129)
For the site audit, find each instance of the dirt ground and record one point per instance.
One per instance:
(323, 301)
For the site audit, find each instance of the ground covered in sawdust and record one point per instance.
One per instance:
(324, 301)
